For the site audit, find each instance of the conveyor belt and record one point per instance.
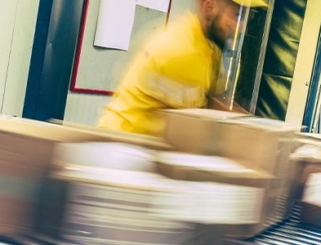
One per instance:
(290, 231)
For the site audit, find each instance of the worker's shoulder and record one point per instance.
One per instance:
(177, 39)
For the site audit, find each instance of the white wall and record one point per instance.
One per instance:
(7, 19)
(17, 27)
(85, 108)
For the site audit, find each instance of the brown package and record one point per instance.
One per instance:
(310, 201)
(235, 174)
(25, 155)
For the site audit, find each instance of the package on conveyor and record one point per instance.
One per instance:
(263, 144)
(311, 198)
(120, 173)
(303, 138)
(118, 207)
(246, 190)
(308, 180)
(104, 155)
(116, 155)
(26, 150)
(307, 159)
(196, 130)
(101, 195)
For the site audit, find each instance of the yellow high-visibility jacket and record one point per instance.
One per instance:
(174, 70)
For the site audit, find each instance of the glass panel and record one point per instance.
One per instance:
(243, 57)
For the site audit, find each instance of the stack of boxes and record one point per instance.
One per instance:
(263, 145)
(26, 148)
(247, 164)
(307, 158)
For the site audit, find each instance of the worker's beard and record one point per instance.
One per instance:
(216, 35)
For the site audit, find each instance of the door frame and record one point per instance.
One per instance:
(304, 64)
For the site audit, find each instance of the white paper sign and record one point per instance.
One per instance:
(160, 5)
(115, 23)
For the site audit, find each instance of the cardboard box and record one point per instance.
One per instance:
(307, 138)
(26, 148)
(117, 206)
(210, 207)
(302, 139)
(311, 198)
(265, 140)
(104, 154)
(198, 168)
(191, 167)
(70, 132)
(261, 142)
(307, 160)
(307, 180)
(195, 130)
(264, 144)
(305, 169)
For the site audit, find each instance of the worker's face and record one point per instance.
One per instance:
(223, 23)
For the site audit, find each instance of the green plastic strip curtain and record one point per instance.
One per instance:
(280, 58)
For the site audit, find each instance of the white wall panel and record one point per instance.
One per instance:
(17, 26)
(7, 24)
(85, 108)
(20, 54)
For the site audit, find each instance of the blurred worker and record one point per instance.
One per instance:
(178, 68)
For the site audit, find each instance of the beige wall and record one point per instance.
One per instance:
(17, 27)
